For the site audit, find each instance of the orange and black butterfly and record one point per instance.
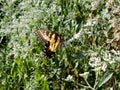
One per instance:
(51, 39)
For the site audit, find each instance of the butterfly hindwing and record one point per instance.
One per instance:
(51, 40)
(47, 51)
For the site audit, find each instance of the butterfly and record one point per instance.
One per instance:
(51, 41)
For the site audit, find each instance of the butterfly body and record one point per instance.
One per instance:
(51, 40)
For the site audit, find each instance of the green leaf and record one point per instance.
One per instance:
(104, 79)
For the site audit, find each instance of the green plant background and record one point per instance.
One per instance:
(78, 65)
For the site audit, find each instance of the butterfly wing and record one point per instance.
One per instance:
(43, 35)
(54, 42)
(51, 39)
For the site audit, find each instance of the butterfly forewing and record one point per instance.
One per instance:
(54, 42)
(51, 39)
(43, 35)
